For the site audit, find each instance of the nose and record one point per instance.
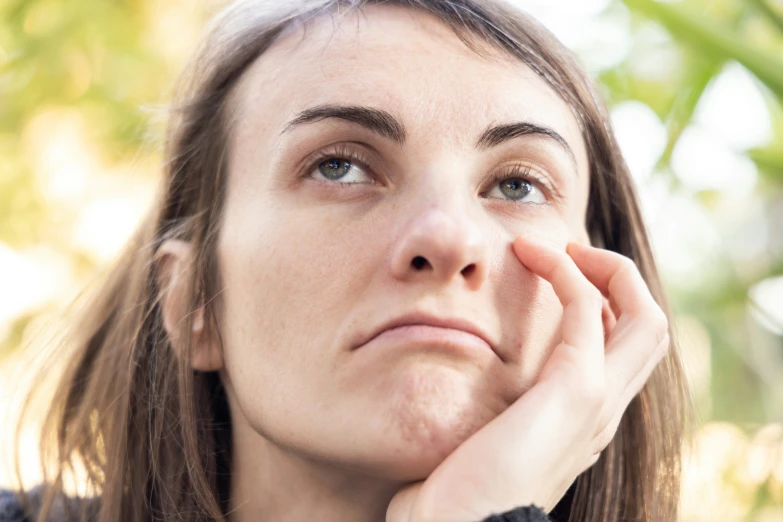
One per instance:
(442, 244)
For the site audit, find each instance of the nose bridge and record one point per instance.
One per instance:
(448, 220)
(442, 238)
(439, 196)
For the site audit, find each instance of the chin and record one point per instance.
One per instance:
(431, 409)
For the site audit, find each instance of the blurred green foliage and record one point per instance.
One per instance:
(712, 34)
(91, 56)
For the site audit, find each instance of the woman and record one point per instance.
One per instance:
(367, 291)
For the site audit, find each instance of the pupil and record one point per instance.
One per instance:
(515, 188)
(334, 168)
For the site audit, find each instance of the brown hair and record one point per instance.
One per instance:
(154, 436)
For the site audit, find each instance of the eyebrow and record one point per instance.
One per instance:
(387, 125)
(375, 120)
(494, 135)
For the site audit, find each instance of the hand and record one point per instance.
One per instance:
(532, 452)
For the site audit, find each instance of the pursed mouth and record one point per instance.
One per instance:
(427, 328)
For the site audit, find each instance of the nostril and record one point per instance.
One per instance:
(419, 262)
(468, 270)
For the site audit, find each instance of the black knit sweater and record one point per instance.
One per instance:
(11, 510)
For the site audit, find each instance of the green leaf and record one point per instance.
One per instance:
(714, 40)
(775, 17)
(770, 160)
(701, 72)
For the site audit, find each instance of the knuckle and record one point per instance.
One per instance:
(660, 324)
(654, 319)
(661, 320)
(603, 439)
(585, 393)
(628, 266)
(592, 461)
(608, 414)
(593, 296)
(595, 458)
(628, 271)
(663, 347)
(594, 392)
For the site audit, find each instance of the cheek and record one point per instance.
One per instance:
(530, 315)
(545, 317)
(288, 279)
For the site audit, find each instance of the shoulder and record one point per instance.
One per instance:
(521, 514)
(10, 508)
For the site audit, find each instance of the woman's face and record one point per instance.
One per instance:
(379, 171)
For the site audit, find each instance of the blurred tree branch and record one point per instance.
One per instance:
(774, 16)
(713, 39)
(702, 71)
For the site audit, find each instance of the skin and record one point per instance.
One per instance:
(310, 267)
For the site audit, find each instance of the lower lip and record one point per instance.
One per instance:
(425, 336)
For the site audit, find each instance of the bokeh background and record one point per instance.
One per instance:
(695, 89)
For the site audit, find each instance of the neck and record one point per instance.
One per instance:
(269, 482)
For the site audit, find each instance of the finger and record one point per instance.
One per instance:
(635, 339)
(606, 435)
(643, 323)
(401, 506)
(609, 319)
(635, 384)
(623, 390)
(614, 275)
(639, 340)
(592, 461)
(582, 303)
(613, 307)
(633, 349)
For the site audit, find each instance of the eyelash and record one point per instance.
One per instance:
(341, 153)
(519, 171)
(524, 172)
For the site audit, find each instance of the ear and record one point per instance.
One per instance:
(172, 264)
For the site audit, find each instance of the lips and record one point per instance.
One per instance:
(458, 326)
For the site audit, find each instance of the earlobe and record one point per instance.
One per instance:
(207, 353)
(171, 259)
(173, 272)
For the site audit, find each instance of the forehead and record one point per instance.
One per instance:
(406, 62)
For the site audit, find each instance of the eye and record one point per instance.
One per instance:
(517, 188)
(341, 170)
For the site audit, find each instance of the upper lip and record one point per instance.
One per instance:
(419, 318)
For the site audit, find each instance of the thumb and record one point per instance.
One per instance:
(401, 506)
